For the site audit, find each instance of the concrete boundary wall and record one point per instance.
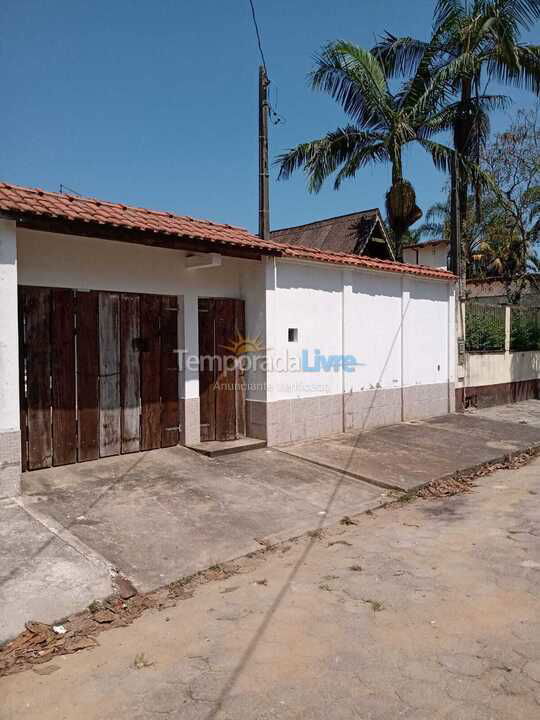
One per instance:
(500, 377)
(400, 330)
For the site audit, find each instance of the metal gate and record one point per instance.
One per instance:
(98, 374)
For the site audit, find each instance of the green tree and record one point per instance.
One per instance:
(480, 39)
(382, 123)
(503, 239)
(510, 221)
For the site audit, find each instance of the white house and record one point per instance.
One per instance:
(106, 311)
(433, 253)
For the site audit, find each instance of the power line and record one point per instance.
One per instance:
(275, 117)
(259, 43)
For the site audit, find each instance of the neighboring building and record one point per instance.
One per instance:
(431, 254)
(360, 233)
(492, 290)
(488, 290)
(105, 310)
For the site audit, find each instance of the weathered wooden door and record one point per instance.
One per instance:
(98, 374)
(221, 378)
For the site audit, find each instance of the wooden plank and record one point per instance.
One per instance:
(240, 384)
(22, 384)
(130, 373)
(109, 374)
(225, 375)
(37, 312)
(150, 371)
(87, 376)
(64, 418)
(207, 392)
(169, 371)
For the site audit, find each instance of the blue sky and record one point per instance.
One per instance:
(155, 103)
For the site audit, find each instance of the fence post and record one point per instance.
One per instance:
(507, 322)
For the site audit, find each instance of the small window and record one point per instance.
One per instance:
(293, 334)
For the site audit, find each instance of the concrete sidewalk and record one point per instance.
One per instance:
(409, 455)
(161, 515)
(43, 573)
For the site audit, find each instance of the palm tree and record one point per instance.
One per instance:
(480, 40)
(382, 124)
(436, 225)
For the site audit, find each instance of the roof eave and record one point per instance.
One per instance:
(137, 236)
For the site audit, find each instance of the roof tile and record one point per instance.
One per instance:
(32, 201)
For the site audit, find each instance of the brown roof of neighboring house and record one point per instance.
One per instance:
(344, 233)
(428, 243)
(23, 203)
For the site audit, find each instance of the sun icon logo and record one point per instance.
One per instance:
(241, 345)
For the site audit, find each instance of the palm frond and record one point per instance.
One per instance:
(514, 13)
(362, 156)
(430, 230)
(437, 211)
(427, 87)
(442, 155)
(447, 13)
(321, 158)
(445, 118)
(522, 72)
(356, 79)
(399, 55)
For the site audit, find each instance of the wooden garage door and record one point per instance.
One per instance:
(99, 374)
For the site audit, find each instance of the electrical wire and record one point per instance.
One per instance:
(259, 42)
(275, 117)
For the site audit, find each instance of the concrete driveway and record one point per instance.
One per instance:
(155, 517)
(161, 515)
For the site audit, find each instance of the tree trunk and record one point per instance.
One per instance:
(397, 229)
(463, 143)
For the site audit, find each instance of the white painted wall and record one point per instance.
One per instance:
(373, 330)
(9, 334)
(425, 328)
(308, 297)
(435, 256)
(399, 328)
(494, 368)
(54, 260)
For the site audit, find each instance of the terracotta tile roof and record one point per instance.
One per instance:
(366, 262)
(17, 201)
(33, 201)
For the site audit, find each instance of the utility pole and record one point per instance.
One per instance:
(456, 255)
(264, 206)
(457, 266)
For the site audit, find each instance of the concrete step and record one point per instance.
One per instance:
(215, 448)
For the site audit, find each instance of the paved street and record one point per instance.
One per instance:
(425, 610)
